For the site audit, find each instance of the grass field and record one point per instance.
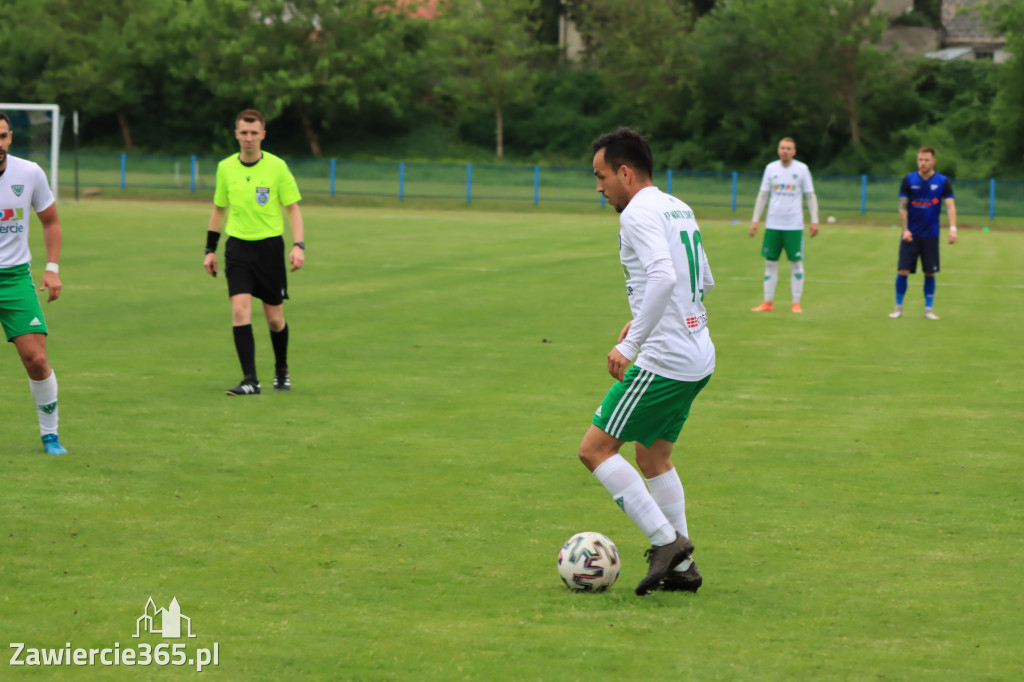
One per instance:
(854, 482)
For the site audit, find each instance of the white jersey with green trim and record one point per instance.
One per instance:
(667, 275)
(786, 186)
(23, 187)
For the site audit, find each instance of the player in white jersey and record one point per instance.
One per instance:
(784, 185)
(23, 187)
(667, 275)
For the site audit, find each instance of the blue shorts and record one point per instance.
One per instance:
(925, 248)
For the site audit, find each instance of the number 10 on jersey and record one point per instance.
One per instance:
(693, 256)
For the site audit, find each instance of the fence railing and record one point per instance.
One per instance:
(536, 184)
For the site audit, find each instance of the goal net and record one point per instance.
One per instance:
(36, 129)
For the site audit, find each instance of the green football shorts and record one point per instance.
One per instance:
(20, 312)
(645, 407)
(776, 240)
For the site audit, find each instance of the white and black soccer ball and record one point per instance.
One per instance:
(589, 562)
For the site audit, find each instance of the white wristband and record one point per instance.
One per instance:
(52, 267)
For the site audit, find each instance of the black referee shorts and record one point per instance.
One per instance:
(256, 268)
(925, 248)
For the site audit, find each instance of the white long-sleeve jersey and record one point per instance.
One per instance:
(667, 274)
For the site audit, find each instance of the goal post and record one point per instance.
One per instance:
(35, 115)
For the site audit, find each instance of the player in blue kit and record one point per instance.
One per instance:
(921, 197)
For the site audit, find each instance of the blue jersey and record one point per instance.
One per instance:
(924, 202)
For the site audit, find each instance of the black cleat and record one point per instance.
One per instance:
(689, 580)
(282, 382)
(249, 386)
(662, 560)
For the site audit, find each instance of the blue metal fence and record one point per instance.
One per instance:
(536, 184)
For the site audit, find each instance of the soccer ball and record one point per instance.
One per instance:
(588, 562)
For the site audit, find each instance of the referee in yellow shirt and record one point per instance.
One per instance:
(254, 185)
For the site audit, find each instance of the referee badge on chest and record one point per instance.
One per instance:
(262, 195)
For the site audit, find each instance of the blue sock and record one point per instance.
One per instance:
(901, 288)
(929, 291)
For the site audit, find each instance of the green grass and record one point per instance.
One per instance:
(854, 482)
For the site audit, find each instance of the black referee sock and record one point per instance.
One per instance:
(280, 342)
(245, 345)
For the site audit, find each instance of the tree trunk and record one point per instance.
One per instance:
(499, 128)
(848, 90)
(126, 131)
(307, 128)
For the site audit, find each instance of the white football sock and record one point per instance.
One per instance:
(627, 488)
(771, 279)
(667, 491)
(44, 393)
(796, 279)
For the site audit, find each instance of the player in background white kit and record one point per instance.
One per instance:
(23, 187)
(784, 185)
(667, 275)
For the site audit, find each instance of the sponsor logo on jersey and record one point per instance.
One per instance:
(696, 322)
(17, 189)
(10, 214)
(679, 215)
(262, 195)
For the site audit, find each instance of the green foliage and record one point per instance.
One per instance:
(641, 50)
(101, 61)
(491, 55)
(1008, 108)
(955, 101)
(328, 60)
(569, 108)
(714, 85)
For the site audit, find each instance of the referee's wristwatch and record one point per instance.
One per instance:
(301, 245)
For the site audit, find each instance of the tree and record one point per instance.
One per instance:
(98, 62)
(488, 52)
(799, 67)
(328, 60)
(1007, 17)
(641, 50)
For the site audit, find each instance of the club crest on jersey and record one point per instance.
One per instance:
(17, 189)
(262, 195)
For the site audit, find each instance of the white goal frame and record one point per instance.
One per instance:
(54, 110)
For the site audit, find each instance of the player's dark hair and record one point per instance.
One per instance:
(626, 147)
(4, 117)
(250, 116)
(927, 150)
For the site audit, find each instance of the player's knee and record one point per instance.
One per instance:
(36, 363)
(592, 457)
